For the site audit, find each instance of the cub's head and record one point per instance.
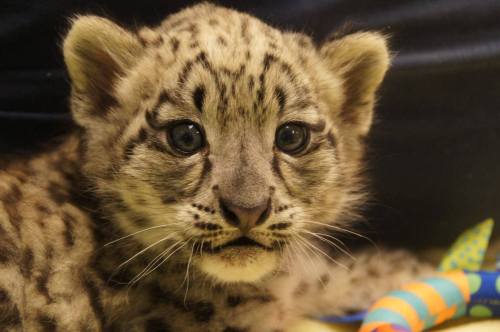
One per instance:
(217, 140)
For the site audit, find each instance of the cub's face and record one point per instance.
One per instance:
(219, 141)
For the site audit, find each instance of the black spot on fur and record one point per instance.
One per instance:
(57, 193)
(27, 263)
(207, 226)
(281, 97)
(94, 299)
(280, 226)
(185, 73)
(69, 236)
(4, 297)
(234, 301)
(203, 311)
(174, 44)
(156, 325)
(233, 329)
(47, 324)
(199, 97)
(42, 283)
(9, 315)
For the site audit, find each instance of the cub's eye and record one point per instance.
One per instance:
(186, 137)
(292, 137)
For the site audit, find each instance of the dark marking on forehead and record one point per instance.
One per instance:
(268, 60)
(42, 282)
(213, 22)
(27, 262)
(185, 72)
(199, 97)
(174, 44)
(194, 44)
(281, 97)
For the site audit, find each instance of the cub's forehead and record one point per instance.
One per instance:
(228, 64)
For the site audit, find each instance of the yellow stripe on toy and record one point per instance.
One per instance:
(468, 251)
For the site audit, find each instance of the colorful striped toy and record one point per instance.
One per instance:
(421, 305)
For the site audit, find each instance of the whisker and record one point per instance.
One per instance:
(145, 249)
(135, 233)
(340, 229)
(321, 237)
(322, 252)
(135, 280)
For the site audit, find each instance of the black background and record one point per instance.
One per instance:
(434, 156)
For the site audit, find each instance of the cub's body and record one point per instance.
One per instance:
(116, 230)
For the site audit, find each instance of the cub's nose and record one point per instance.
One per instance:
(245, 218)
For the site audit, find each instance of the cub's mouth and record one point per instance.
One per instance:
(240, 260)
(241, 242)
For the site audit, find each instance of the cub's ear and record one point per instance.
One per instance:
(96, 52)
(361, 60)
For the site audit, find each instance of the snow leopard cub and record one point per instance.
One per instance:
(217, 158)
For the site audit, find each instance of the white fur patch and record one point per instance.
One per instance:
(239, 264)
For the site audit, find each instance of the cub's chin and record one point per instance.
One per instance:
(238, 263)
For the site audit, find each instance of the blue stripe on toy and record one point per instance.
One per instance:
(417, 304)
(449, 292)
(386, 315)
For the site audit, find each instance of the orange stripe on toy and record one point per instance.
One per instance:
(403, 308)
(369, 327)
(445, 315)
(459, 278)
(428, 295)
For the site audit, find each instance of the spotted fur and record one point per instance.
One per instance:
(114, 230)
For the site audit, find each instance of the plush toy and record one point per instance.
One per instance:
(451, 294)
